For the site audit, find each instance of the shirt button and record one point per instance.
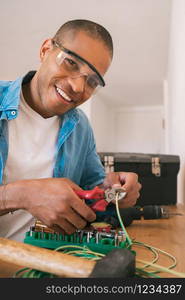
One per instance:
(13, 112)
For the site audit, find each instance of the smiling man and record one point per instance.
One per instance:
(47, 148)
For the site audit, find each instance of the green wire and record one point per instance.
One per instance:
(32, 273)
(121, 223)
(156, 255)
(83, 251)
(144, 273)
(162, 251)
(20, 271)
(164, 269)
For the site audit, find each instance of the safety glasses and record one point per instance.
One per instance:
(76, 66)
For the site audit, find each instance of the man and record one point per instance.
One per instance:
(47, 145)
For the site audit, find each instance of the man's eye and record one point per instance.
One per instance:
(71, 63)
(92, 82)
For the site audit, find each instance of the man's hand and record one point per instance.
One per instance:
(53, 202)
(126, 180)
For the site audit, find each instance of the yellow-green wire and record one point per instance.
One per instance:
(163, 269)
(120, 221)
(150, 248)
(83, 251)
(159, 250)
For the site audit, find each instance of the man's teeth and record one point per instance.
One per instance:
(63, 94)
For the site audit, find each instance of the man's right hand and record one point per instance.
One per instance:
(52, 201)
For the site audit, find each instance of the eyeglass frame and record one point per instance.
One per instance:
(62, 48)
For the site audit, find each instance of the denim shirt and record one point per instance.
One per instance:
(76, 156)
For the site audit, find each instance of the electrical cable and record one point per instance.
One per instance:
(121, 222)
(82, 251)
(142, 273)
(164, 269)
(159, 250)
(154, 252)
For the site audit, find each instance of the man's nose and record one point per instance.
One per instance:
(77, 83)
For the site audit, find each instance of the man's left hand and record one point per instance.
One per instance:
(126, 180)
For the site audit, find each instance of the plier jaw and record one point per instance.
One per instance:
(112, 193)
(103, 197)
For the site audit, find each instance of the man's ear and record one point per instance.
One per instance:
(45, 49)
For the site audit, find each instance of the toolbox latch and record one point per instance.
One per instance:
(109, 163)
(156, 167)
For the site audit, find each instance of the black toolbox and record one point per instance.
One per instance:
(157, 174)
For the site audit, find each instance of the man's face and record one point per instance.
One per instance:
(55, 90)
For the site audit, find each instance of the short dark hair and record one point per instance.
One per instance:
(93, 29)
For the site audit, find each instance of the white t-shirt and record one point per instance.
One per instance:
(31, 155)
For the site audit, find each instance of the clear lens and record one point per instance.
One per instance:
(77, 68)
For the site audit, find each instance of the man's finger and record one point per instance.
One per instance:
(82, 209)
(130, 180)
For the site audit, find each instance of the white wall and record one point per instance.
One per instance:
(102, 120)
(127, 129)
(176, 90)
(26, 24)
(139, 129)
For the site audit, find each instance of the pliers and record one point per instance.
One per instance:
(103, 197)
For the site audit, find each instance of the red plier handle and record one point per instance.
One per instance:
(97, 194)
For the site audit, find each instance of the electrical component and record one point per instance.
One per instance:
(101, 226)
(101, 240)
